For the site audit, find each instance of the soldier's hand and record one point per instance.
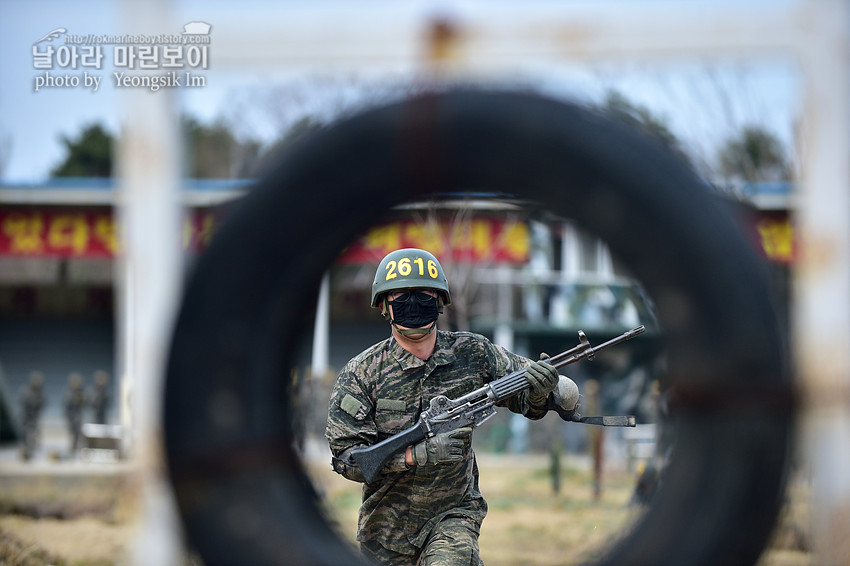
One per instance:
(543, 378)
(442, 448)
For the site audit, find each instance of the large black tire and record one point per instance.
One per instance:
(242, 492)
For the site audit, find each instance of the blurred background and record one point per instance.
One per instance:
(127, 132)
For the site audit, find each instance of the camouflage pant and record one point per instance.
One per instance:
(452, 542)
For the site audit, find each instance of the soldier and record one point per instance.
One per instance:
(32, 401)
(100, 396)
(425, 507)
(75, 404)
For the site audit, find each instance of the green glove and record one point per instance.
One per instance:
(442, 448)
(543, 379)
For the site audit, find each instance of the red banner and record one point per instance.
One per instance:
(92, 232)
(478, 239)
(68, 232)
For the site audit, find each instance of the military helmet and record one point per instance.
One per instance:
(410, 268)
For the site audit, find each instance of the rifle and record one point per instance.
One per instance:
(472, 409)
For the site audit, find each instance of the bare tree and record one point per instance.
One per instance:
(5, 151)
(621, 108)
(755, 154)
(450, 228)
(708, 103)
(214, 151)
(271, 112)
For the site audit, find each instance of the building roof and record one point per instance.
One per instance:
(769, 195)
(103, 191)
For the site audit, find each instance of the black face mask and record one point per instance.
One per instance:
(414, 309)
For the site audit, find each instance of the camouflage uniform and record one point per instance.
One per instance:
(33, 402)
(75, 403)
(100, 396)
(412, 512)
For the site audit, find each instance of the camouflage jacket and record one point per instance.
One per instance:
(381, 392)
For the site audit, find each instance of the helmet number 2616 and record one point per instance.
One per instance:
(404, 268)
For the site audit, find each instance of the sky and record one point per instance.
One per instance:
(702, 102)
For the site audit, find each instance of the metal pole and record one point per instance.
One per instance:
(503, 334)
(149, 164)
(822, 309)
(487, 36)
(321, 330)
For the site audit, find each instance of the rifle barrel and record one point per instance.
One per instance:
(511, 384)
(588, 351)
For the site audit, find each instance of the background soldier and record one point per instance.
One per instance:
(424, 508)
(32, 401)
(75, 404)
(100, 396)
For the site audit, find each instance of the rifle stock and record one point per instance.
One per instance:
(370, 460)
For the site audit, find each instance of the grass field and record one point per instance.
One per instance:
(529, 524)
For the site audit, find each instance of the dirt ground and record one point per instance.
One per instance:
(529, 524)
(92, 523)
